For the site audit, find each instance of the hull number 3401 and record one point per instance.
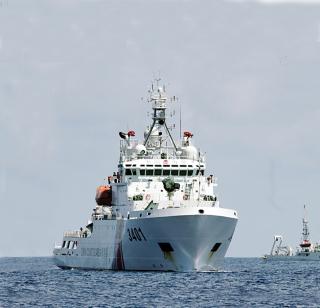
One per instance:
(136, 234)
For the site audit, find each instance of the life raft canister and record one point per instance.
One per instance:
(104, 195)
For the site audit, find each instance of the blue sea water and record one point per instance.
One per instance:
(245, 282)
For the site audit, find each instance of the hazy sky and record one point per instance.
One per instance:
(72, 74)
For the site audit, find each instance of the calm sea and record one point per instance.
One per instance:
(244, 282)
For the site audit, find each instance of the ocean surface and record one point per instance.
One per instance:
(243, 282)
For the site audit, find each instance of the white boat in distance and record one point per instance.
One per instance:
(157, 212)
(307, 251)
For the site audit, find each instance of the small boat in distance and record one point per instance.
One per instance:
(306, 250)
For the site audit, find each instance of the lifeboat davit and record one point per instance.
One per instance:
(131, 133)
(187, 134)
(104, 195)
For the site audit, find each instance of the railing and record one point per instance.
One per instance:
(73, 234)
(158, 156)
(169, 151)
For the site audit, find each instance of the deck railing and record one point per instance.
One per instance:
(73, 234)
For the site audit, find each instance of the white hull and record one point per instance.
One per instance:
(168, 240)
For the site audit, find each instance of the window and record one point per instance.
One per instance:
(183, 165)
(190, 172)
(149, 165)
(166, 172)
(183, 172)
(128, 172)
(174, 172)
(157, 172)
(134, 171)
(64, 244)
(157, 165)
(202, 172)
(149, 171)
(142, 172)
(174, 165)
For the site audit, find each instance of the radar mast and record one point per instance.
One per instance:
(158, 99)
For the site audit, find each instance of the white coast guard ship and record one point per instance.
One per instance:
(306, 250)
(157, 212)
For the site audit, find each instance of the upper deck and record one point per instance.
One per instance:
(161, 168)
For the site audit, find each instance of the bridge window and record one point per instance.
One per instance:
(174, 172)
(142, 171)
(201, 172)
(149, 172)
(166, 172)
(157, 172)
(128, 172)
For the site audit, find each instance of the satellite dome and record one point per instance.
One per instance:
(141, 149)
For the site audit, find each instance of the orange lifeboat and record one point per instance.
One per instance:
(104, 195)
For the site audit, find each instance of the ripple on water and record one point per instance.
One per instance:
(243, 282)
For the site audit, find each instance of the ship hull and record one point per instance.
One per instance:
(165, 240)
(311, 256)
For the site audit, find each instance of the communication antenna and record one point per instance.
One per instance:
(199, 171)
(157, 80)
(179, 119)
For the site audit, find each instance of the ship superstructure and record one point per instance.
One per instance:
(158, 211)
(306, 250)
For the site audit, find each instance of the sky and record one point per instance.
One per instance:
(72, 75)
